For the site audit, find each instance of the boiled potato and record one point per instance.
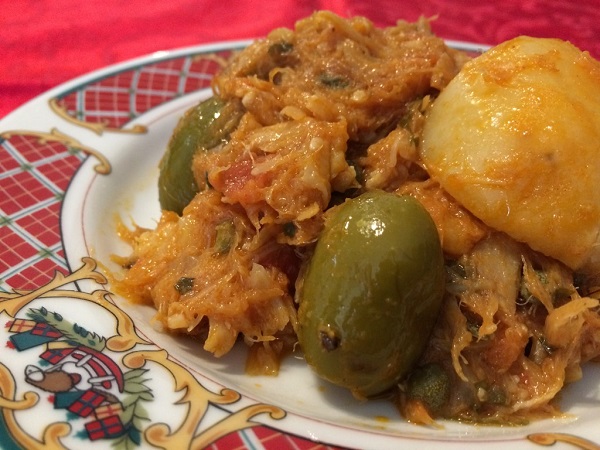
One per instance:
(515, 138)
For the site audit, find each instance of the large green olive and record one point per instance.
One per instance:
(201, 128)
(371, 292)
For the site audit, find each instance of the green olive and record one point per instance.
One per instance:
(371, 292)
(201, 128)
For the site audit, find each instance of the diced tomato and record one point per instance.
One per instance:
(238, 183)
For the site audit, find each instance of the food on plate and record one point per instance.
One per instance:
(371, 293)
(225, 265)
(422, 222)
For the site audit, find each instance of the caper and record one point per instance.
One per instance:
(225, 235)
(184, 285)
(429, 384)
(371, 292)
(201, 128)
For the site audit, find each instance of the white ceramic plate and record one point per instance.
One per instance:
(81, 367)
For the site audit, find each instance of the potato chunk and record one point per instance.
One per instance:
(515, 138)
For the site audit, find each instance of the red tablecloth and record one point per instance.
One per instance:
(46, 42)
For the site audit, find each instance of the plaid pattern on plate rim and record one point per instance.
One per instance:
(35, 170)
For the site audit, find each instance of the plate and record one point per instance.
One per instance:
(80, 366)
